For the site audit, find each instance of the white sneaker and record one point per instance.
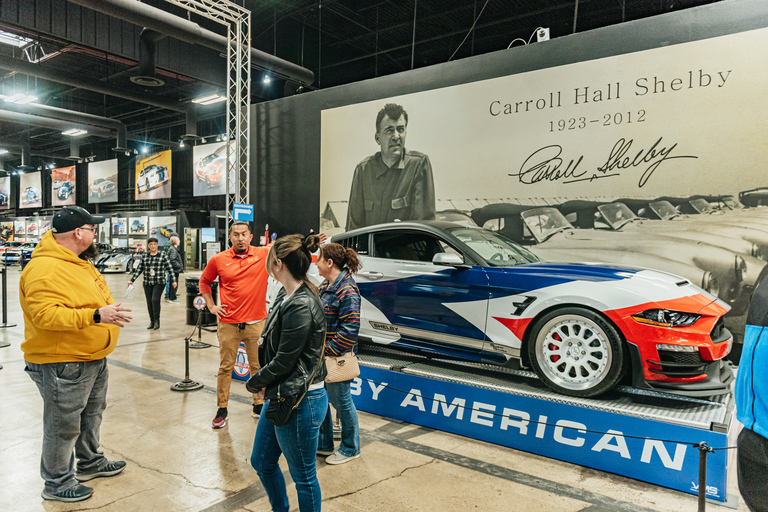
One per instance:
(338, 458)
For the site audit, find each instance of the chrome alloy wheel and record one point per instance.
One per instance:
(573, 352)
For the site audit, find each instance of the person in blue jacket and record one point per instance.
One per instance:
(752, 403)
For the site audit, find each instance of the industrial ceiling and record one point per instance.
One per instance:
(58, 56)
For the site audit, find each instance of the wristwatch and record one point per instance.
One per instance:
(97, 316)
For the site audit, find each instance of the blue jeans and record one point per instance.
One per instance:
(74, 398)
(297, 440)
(341, 399)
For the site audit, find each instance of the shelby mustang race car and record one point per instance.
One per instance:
(468, 293)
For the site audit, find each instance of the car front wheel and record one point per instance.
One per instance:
(576, 352)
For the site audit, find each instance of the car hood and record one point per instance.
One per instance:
(637, 285)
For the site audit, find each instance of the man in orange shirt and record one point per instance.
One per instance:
(243, 279)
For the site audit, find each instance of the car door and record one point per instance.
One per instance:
(412, 302)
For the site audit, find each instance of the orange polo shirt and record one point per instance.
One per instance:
(242, 283)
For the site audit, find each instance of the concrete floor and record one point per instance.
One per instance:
(177, 462)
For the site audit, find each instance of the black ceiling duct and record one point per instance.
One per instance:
(190, 32)
(147, 76)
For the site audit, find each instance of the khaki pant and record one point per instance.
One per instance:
(230, 337)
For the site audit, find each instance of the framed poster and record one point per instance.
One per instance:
(104, 231)
(29, 190)
(153, 176)
(137, 225)
(45, 226)
(102, 181)
(20, 227)
(162, 228)
(63, 186)
(33, 227)
(209, 168)
(5, 192)
(118, 225)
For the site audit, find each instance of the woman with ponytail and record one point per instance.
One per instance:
(341, 300)
(291, 372)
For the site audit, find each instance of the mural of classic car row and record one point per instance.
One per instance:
(715, 242)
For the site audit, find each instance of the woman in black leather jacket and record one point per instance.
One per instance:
(291, 365)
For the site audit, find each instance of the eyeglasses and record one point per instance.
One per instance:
(95, 230)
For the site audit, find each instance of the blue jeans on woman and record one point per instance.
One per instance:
(297, 440)
(340, 397)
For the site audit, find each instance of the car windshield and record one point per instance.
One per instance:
(496, 249)
(732, 203)
(210, 158)
(701, 205)
(617, 215)
(545, 222)
(664, 210)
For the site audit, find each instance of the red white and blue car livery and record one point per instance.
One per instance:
(464, 292)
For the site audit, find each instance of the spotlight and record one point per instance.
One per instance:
(203, 140)
(218, 138)
(266, 79)
(135, 151)
(181, 144)
(144, 149)
(224, 137)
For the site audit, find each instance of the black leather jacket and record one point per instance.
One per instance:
(292, 352)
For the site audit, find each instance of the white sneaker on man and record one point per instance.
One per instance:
(338, 458)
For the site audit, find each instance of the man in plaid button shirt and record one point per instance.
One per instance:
(156, 267)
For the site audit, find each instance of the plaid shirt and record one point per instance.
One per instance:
(155, 269)
(341, 301)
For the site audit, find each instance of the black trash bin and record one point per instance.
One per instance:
(193, 290)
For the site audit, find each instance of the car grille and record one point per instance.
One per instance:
(679, 364)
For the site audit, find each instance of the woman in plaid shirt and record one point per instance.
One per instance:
(341, 301)
(155, 266)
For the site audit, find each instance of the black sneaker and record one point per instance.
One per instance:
(221, 418)
(111, 468)
(256, 412)
(76, 493)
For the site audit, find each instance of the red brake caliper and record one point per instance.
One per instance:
(555, 358)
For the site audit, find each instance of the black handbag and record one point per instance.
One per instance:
(279, 410)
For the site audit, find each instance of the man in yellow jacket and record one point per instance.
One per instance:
(71, 324)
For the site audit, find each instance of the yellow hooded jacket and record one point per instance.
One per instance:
(59, 294)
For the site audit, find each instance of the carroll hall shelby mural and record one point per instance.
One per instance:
(652, 159)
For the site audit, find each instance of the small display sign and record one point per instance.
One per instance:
(199, 302)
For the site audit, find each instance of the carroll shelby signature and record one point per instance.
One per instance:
(548, 164)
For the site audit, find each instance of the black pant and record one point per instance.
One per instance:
(172, 290)
(752, 463)
(153, 293)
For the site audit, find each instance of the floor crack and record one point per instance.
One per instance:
(381, 481)
(118, 499)
(190, 482)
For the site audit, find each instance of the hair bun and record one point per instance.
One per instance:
(311, 243)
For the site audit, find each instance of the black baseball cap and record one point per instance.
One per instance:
(70, 218)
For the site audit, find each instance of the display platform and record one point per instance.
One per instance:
(644, 435)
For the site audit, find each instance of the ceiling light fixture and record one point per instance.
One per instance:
(218, 138)
(224, 137)
(209, 99)
(20, 98)
(266, 79)
(3, 151)
(144, 149)
(13, 39)
(181, 144)
(74, 132)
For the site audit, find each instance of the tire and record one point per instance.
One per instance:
(146, 186)
(576, 352)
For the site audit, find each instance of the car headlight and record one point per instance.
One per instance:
(666, 318)
(741, 268)
(710, 284)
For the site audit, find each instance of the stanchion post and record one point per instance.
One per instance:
(5, 303)
(703, 450)
(199, 343)
(187, 384)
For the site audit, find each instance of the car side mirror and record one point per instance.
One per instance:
(447, 258)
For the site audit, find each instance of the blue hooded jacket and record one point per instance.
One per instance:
(752, 376)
